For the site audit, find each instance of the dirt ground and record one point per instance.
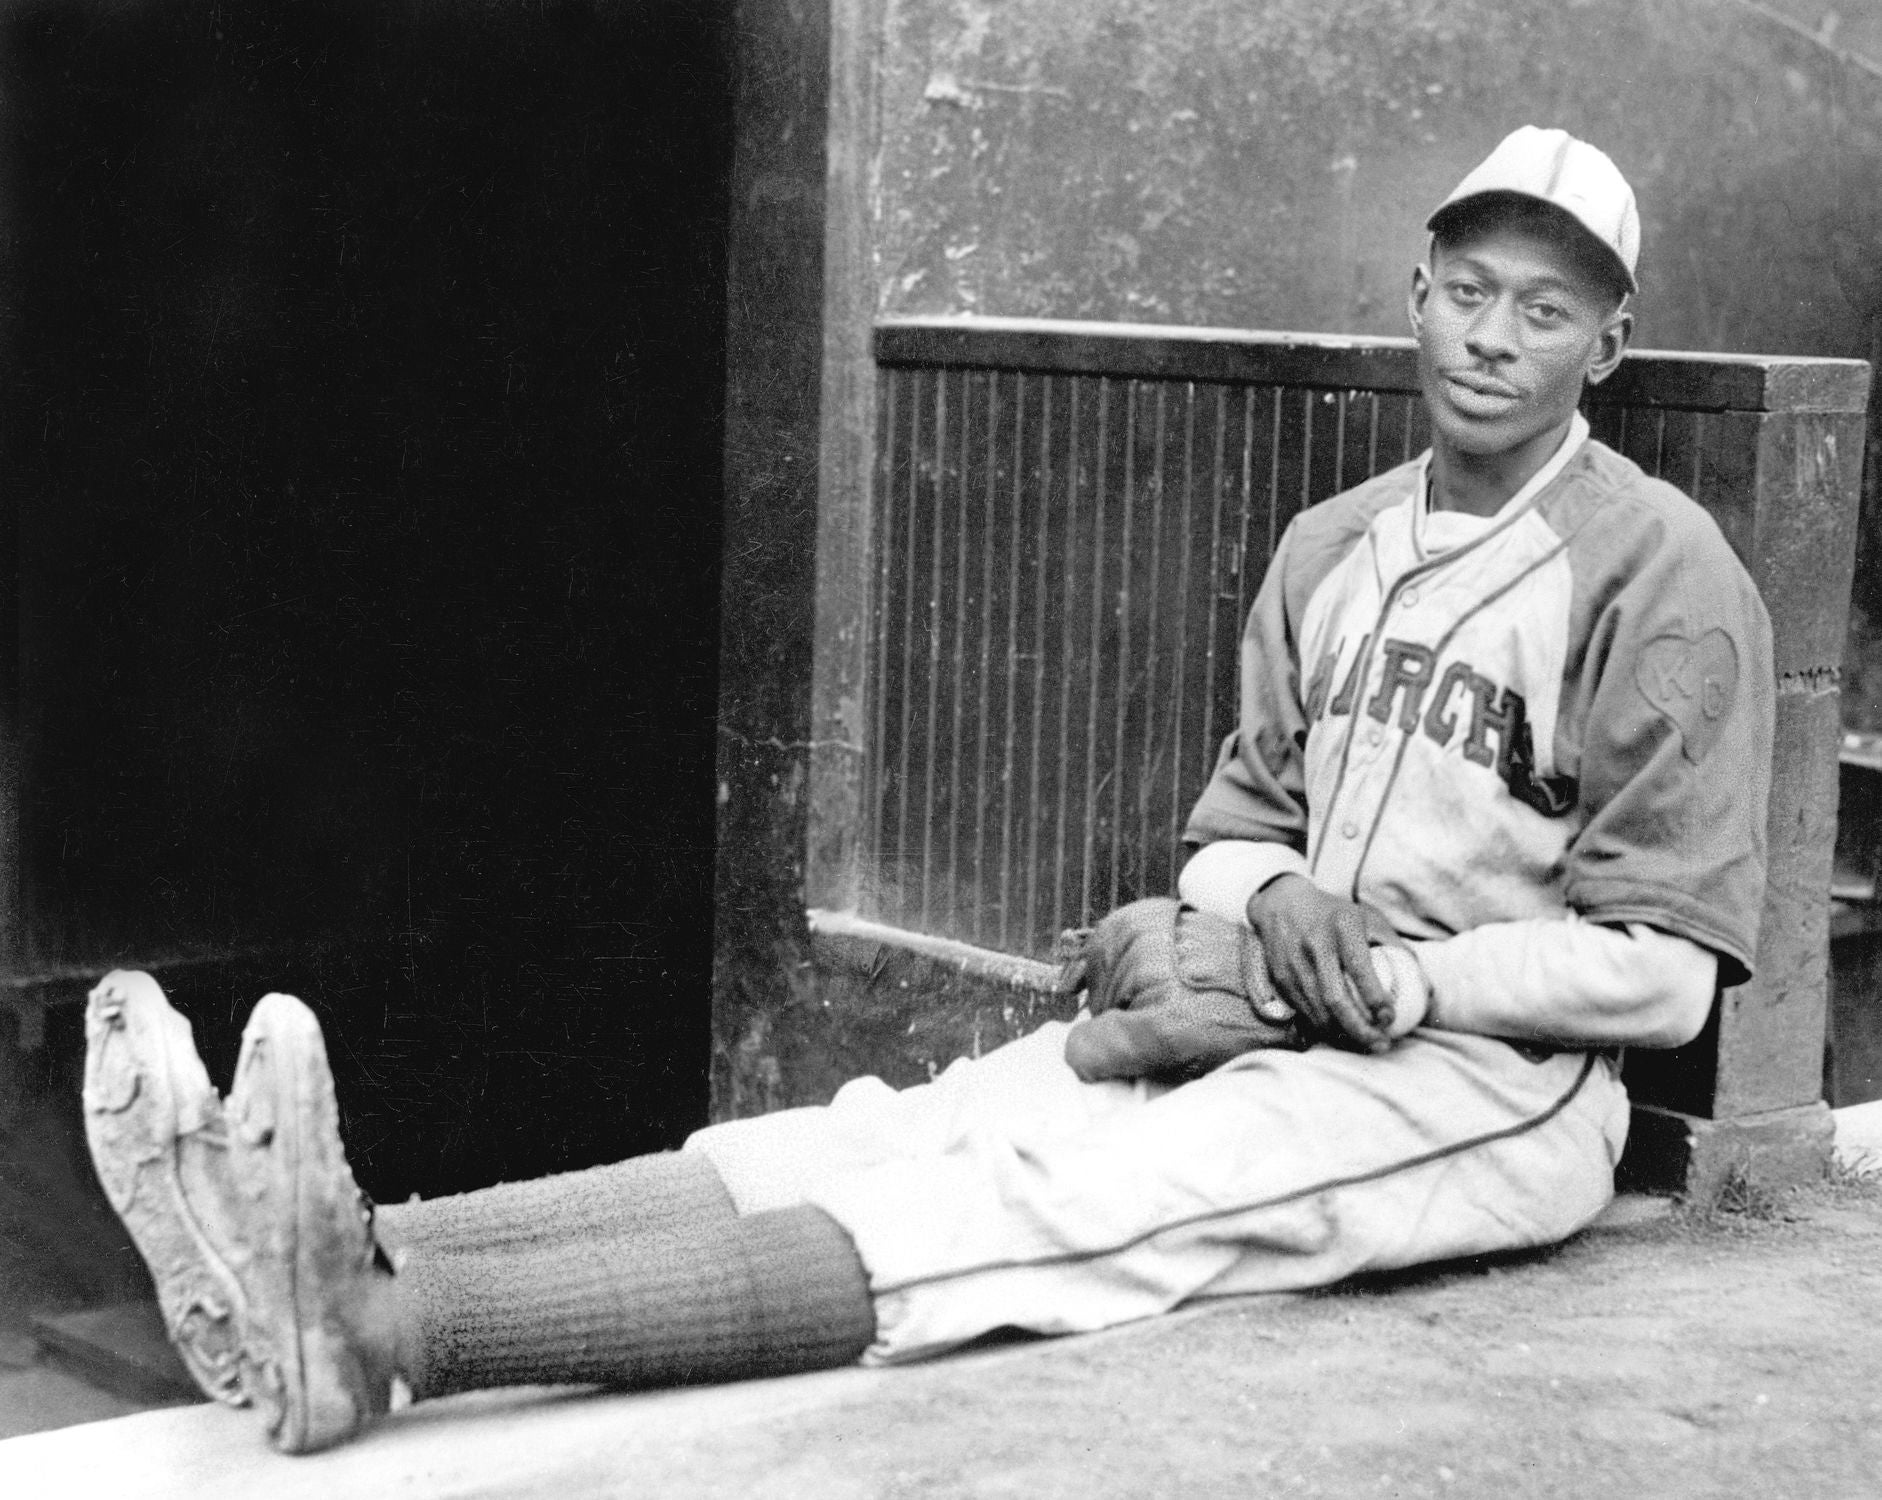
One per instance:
(1728, 1355)
(1734, 1355)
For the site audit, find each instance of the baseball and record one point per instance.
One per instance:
(1405, 981)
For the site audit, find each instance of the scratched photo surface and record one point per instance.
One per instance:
(413, 423)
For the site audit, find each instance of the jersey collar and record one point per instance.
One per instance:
(1538, 482)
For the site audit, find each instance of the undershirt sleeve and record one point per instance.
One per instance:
(1220, 878)
(1570, 981)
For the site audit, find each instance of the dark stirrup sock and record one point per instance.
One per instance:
(652, 1194)
(770, 1294)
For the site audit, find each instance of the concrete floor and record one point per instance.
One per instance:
(1661, 1354)
(1655, 1355)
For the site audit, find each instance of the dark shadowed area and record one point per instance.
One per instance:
(364, 372)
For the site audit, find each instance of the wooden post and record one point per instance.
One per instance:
(22, 1013)
(839, 681)
(799, 432)
(13, 947)
(1745, 1104)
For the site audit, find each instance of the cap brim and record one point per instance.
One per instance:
(1450, 208)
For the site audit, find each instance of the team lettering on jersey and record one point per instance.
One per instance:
(1412, 693)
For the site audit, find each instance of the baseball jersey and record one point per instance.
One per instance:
(1570, 710)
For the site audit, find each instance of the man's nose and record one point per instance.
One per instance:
(1491, 335)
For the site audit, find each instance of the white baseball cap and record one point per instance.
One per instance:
(1554, 167)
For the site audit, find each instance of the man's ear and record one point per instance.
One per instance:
(1616, 334)
(1415, 304)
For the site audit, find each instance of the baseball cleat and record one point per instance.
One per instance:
(159, 1145)
(315, 1360)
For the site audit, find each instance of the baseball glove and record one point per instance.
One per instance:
(1173, 992)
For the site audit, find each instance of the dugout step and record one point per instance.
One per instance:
(120, 1348)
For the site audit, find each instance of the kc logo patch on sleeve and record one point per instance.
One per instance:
(1693, 683)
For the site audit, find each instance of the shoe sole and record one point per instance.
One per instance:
(147, 1094)
(311, 1272)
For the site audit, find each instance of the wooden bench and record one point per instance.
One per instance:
(1025, 650)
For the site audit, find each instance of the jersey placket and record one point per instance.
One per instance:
(1371, 746)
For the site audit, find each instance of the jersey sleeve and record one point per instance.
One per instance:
(1675, 702)
(1258, 789)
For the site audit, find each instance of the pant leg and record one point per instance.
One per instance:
(1279, 1170)
(776, 1160)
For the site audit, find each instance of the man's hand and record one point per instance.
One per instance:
(1319, 955)
(1173, 992)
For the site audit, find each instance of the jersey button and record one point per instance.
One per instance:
(1350, 831)
(1408, 598)
(1374, 735)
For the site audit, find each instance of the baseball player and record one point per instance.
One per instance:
(1493, 809)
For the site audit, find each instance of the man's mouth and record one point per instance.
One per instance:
(1483, 385)
(1480, 393)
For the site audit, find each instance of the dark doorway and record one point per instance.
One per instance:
(362, 422)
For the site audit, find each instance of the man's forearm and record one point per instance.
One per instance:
(1548, 979)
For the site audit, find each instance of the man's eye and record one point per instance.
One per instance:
(1466, 291)
(1547, 312)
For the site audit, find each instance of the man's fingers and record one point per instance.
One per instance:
(1346, 1012)
(1356, 956)
(1319, 952)
(1368, 1010)
(1300, 987)
(1272, 1009)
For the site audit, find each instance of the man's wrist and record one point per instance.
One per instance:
(1266, 887)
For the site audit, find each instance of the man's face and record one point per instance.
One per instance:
(1509, 325)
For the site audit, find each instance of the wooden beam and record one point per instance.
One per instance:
(1147, 352)
(844, 937)
(1698, 382)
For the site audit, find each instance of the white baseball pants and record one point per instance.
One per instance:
(1009, 1193)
